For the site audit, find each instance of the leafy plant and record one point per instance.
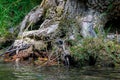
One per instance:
(13, 11)
(98, 49)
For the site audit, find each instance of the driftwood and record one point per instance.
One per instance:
(34, 16)
(23, 53)
(11, 51)
(42, 32)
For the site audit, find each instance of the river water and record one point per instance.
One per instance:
(10, 71)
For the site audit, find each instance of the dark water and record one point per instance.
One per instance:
(12, 72)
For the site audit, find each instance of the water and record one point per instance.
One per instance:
(9, 71)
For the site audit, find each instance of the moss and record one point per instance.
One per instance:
(96, 50)
(59, 10)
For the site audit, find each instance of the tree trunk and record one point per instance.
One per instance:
(56, 20)
(68, 11)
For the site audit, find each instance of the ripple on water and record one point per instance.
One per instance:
(26, 73)
(12, 72)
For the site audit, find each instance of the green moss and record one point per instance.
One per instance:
(100, 50)
(59, 10)
(67, 27)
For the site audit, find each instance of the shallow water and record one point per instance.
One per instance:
(9, 71)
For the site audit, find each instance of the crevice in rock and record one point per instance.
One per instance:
(112, 26)
(36, 26)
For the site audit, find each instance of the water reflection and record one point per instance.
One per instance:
(23, 72)
(26, 72)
